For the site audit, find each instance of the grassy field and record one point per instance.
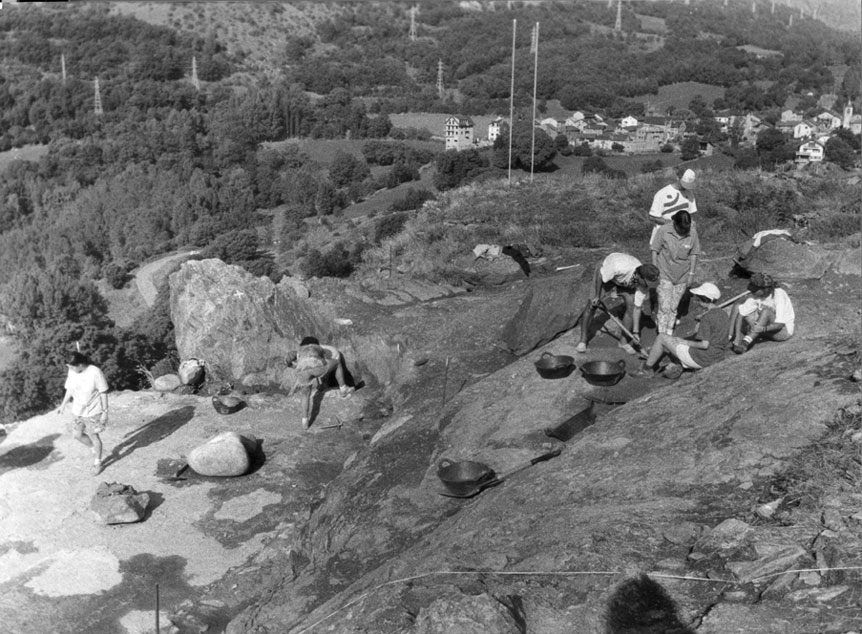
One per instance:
(680, 95)
(26, 153)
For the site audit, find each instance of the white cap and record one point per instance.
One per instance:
(708, 290)
(687, 180)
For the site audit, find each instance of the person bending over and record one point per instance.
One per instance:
(619, 274)
(314, 364)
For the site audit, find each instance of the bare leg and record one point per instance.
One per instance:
(82, 438)
(586, 322)
(96, 446)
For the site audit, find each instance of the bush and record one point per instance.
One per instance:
(667, 148)
(337, 262)
(389, 226)
(116, 275)
(413, 199)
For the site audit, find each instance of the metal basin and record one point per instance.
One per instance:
(603, 372)
(554, 366)
(462, 477)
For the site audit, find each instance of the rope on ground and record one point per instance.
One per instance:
(562, 573)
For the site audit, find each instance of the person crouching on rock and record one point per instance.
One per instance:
(314, 364)
(87, 388)
(767, 314)
(710, 345)
(620, 273)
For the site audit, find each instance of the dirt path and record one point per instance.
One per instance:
(147, 279)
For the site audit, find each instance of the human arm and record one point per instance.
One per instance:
(66, 398)
(334, 352)
(103, 401)
(597, 286)
(692, 267)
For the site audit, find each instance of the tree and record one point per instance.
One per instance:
(840, 153)
(690, 148)
(346, 169)
(455, 168)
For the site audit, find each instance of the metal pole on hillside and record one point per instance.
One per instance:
(535, 48)
(512, 101)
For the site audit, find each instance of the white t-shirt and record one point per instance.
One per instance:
(669, 200)
(85, 387)
(620, 268)
(779, 301)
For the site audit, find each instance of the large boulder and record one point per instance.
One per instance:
(551, 305)
(236, 323)
(784, 259)
(244, 328)
(224, 455)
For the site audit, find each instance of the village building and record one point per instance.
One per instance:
(495, 129)
(850, 121)
(459, 133)
(810, 152)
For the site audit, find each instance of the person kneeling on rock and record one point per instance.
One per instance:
(709, 347)
(314, 364)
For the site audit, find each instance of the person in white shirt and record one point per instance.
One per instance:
(672, 198)
(625, 275)
(87, 389)
(767, 314)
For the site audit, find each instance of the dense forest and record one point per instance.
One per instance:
(167, 165)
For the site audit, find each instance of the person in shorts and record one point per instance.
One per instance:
(620, 274)
(767, 314)
(709, 345)
(87, 389)
(314, 364)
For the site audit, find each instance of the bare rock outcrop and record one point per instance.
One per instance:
(244, 327)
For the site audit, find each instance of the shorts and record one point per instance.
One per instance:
(87, 424)
(681, 352)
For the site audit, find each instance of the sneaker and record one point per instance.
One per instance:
(627, 347)
(306, 423)
(672, 371)
(645, 370)
(97, 467)
(345, 391)
(581, 347)
(738, 348)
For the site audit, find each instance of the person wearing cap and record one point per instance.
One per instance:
(767, 314)
(672, 198)
(619, 274)
(675, 247)
(708, 346)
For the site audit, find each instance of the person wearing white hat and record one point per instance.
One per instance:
(709, 345)
(672, 198)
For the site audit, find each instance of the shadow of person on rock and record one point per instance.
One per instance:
(642, 606)
(28, 455)
(154, 431)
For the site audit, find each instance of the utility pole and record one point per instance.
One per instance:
(753, 8)
(63, 67)
(413, 10)
(195, 81)
(440, 79)
(97, 99)
(619, 23)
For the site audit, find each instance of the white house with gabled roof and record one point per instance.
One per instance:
(810, 151)
(459, 133)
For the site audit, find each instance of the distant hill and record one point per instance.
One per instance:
(845, 15)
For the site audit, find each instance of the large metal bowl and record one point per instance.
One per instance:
(462, 477)
(554, 366)
(603, 373)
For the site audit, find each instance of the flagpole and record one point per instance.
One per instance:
(512, 101)
(535, 79)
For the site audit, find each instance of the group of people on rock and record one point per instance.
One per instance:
(675, 247)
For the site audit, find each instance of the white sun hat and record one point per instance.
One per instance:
(687, 180)
(708, 290)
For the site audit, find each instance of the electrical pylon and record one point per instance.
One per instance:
(97, 99)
